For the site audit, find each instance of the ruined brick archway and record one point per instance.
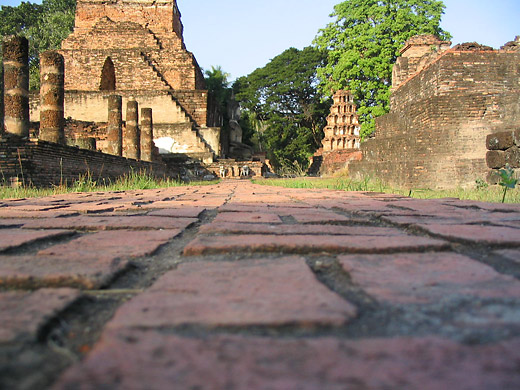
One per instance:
(108, 76)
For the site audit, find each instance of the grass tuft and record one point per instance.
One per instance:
(86, 183)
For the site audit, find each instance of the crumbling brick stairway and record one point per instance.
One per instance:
(180, 109)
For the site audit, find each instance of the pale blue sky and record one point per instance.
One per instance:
(241, 36)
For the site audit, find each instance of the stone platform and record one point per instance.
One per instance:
(240, 286)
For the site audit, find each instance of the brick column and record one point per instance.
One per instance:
(16, 86)
(146, 134)
(51, 97)
(115, 126)
(132, 136)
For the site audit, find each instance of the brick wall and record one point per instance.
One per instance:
(44, 164)
(435, 134)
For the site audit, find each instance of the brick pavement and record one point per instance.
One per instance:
(240, 286)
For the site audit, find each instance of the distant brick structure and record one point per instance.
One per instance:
(135, 48)
(444, 103)
(342, 139)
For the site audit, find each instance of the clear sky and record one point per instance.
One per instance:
(242, 35)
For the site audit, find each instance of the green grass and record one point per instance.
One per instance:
(131, 181)
(487, 194)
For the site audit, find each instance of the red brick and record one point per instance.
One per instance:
(67, 270)
(146, 359)
(264, 208)
(247, 217)
(310, 243)
(427, 278)
(115, 244)
(33, 207)
(112, 223)
(185, 212)
(495, 207)
(475, 233)
(12, 238)
(319, 216)
(253, 228)
(24, 313)
(7, 212)
(256, 292)
(89, 208)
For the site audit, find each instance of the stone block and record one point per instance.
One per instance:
(499, 141)
(495, 158)
(512, 157)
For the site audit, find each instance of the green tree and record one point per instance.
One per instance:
(284, 105)
(218, 85)
(45, 26)
(363, 44)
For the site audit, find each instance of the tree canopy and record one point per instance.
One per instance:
(363, 44)
(282, 102)
(45, 26)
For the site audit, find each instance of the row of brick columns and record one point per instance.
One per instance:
(138, 139)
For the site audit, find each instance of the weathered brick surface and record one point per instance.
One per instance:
(247, 217)
(253, 228)
(475, 233)
(238, 293)
(11, 238)
(91, 270)
(111, 223)
(24, 313)
(430, 303)
(152, 360)
(309, 244)
(184, 212)
(115, 244)
(427, 278)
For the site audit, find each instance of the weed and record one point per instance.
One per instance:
(481, 184)
(507, 180)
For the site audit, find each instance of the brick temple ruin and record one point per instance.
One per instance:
(342, 138)
(136, 49)
(444, 103)
(123, 58)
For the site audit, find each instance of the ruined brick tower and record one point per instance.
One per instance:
(342, 139)
(135, 48)
(342, 130)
